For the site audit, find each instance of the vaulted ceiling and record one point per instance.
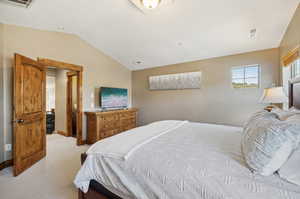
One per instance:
(186, 30)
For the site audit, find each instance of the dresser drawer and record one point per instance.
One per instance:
(109, 122)
(109, 133)
(109, 117)
(128, 121)
(127, 124)
(128, 127)
(109, 125)
(127, 115)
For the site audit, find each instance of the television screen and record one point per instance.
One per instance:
(113, 97)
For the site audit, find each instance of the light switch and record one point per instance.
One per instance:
(8, 147)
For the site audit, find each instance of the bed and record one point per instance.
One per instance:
(184, 160)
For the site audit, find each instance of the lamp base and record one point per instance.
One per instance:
(269, 108)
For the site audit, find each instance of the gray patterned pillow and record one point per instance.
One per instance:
(283, 114)
(268, 142)
(290, 171)
(293, 109)
(294, 119)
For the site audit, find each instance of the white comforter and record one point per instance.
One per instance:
(178, 160)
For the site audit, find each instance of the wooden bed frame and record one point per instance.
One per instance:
(97, 191)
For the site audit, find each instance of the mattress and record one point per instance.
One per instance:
(193, 160)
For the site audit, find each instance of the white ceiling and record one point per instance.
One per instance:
(186, 30)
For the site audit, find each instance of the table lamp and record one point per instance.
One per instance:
(275, 95)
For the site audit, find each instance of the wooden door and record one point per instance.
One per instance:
(29, 113)
(70, 107)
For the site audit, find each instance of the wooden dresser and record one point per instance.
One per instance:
(101, 125)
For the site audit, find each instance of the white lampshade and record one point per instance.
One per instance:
(274, 95)
(150, 4)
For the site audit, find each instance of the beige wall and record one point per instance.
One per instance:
(1, 96)
(216, 101)
(291, 38)
(61, 100)
(99, 69)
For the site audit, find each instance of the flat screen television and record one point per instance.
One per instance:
(113, 98)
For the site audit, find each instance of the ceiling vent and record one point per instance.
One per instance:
(23, 3)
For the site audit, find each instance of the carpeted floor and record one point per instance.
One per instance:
(50, 178)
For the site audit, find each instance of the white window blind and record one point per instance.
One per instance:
(295, 69)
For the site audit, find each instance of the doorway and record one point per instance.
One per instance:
(73, 102)
(50, 100)
(61, 102)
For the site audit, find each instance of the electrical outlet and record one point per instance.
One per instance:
(8, 147)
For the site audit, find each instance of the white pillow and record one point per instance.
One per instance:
(290, 171)
(268, 142)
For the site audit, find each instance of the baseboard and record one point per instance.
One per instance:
(6, 164)
(81, 142)
(62, 133)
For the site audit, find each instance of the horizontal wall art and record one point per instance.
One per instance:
(190, 80)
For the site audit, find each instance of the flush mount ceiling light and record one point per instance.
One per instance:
(23, 3)
(150, 4)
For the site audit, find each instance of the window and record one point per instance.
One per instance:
(295, 69)
(50, 93)
(246, 76)
(290, 72)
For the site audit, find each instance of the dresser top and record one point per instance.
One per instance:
(111, 111)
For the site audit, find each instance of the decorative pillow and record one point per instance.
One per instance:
(295, 119)
(268, 142)
(283, 114)
(290, 171)
(294, 110)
